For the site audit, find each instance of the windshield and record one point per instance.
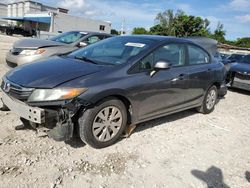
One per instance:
(115, 50)
(68, 37)
(245, 59)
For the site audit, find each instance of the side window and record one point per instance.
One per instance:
(197, 55)
(147, 62)
(172, 53)
(92, 39)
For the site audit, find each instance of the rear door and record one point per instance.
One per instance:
(199, 70)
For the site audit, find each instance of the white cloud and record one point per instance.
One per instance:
(113, 11)
(72, 4)
(184, 7)
(243, 19)
(240, 4)
(236, 6)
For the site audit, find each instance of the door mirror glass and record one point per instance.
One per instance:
(161, 65)
(82, 44)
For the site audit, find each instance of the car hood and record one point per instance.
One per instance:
(36, 43)
(51, 72)
(240, 67)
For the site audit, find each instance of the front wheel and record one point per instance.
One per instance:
(209, 101)
(102, 125)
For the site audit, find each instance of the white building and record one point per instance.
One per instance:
(36, 16)
(3, 13)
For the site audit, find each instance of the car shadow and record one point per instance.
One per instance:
(247, 175)
(213, 177)
(75, 142)
(240, 91)
(166, 119)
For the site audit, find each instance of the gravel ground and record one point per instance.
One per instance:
(187, 149)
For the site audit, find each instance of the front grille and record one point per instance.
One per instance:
(16, 91)
(242, 76)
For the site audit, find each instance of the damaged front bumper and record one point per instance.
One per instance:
(57, 119)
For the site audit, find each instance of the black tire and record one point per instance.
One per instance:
(204, 107)
(87, 118)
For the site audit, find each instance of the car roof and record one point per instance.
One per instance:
(152, 37)
(158, 38)
(90, 32)
(210, 48)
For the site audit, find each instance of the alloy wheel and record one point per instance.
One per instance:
(211, 99)
(107, 123)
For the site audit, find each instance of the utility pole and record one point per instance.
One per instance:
(122, 28)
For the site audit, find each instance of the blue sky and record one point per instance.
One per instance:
(233, 14)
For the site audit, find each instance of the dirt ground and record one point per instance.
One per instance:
(187, 149)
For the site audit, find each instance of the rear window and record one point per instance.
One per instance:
(197, 55)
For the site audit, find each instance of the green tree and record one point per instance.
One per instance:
(139, 31)
(219, 33)
(158, 30)
(190, 26)
(243, 42)
(114, 32)
(179, 24)
(165, 22)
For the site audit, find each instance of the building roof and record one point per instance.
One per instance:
(35, 18)
(24, 1)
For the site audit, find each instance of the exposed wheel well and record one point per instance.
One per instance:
(216, 84)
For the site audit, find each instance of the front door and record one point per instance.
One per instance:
(165, 90)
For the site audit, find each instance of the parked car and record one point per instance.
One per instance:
(30, 50)
(239, 74)
(100, 89)
(224, 56)
(234, 58)
(10, 30)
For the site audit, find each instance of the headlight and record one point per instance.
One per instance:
(40, 95)
(32, 52)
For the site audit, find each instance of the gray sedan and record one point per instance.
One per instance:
(30, 50)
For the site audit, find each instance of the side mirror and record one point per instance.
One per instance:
(82, 44)
(160, 65)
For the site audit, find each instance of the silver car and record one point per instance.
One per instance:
(29, 50)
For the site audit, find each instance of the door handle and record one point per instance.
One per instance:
(180, 77)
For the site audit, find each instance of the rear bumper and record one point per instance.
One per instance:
(241, 84)
(241, 81)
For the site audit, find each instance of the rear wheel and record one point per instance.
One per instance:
(209, 101)
(102, 125)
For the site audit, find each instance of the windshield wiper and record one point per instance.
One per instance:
(83, 58)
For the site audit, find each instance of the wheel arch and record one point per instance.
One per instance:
(120, 95)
